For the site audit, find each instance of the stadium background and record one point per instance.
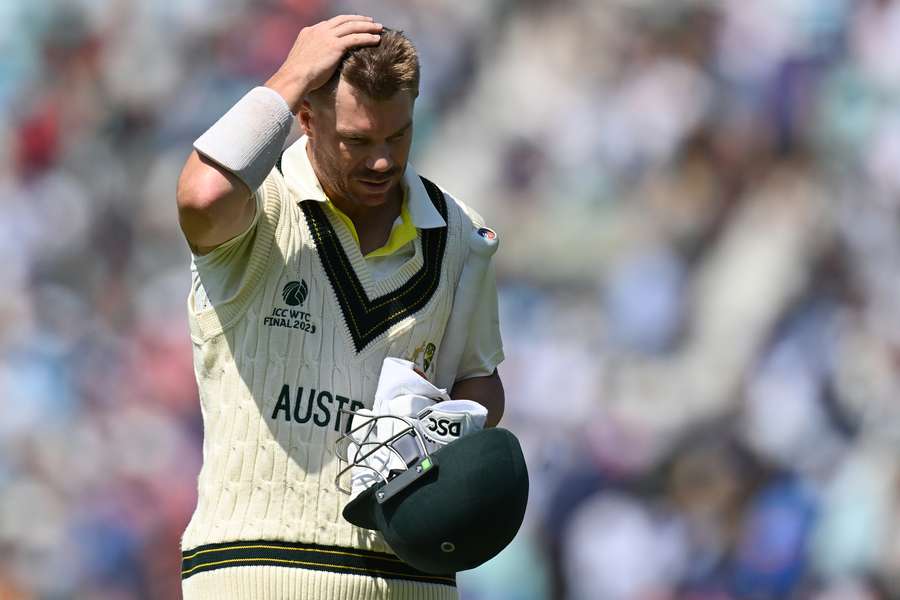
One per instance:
(700, 280)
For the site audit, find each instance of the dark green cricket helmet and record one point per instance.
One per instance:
(452, 509)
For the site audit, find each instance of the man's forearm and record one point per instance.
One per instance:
(487, 391)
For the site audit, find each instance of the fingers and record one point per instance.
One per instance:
(341, 19)
(354, 33)
(319, 48)
(354, 27)
(360, 39)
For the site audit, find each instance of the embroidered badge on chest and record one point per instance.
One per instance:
(289, 313)
(423, 357)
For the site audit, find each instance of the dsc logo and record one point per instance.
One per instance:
(444, 426)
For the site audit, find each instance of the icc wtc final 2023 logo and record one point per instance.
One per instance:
(293, 294)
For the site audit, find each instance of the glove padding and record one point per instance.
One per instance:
(446, 422)
(375, 462)
(398, 378)
(405, 399)
(402, 393)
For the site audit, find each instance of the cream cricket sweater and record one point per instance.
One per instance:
(303, 338)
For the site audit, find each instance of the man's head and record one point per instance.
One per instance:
(359, 124)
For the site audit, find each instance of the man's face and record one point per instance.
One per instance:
(359, 146)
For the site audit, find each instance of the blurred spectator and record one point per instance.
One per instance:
(699, 279)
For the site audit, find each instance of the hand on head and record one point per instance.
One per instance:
(318, 51)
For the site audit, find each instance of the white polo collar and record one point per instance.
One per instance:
(301, 178)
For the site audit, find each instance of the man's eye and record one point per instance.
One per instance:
(354, 141)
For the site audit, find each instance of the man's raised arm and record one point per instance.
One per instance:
(234, 156)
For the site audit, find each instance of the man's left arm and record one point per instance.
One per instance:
(477, 378)
(487, 391)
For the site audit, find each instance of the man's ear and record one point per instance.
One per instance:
(306, 118)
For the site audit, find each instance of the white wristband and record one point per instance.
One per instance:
(248, 139)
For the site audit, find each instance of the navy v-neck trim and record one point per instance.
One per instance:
(366, 318)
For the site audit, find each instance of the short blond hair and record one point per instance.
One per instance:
(379, 71)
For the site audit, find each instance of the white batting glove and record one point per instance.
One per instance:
(376, 461)
(402, 394)
(446, 422)
(398, 378)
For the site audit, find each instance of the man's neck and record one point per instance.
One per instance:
(388, 211)
(373, 223)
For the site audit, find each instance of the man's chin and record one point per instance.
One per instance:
(369, 195)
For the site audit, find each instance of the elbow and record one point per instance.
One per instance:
(207, 197)
(200, 190)
(197, 201)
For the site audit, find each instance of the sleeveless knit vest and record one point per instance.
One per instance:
(303, 339)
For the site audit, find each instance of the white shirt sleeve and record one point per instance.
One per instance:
(484, 347)
(216, 276)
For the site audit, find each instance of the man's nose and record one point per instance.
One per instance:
(380, 159)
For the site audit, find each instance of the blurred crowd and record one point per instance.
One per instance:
(699, 207)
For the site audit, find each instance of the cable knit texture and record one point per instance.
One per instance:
(272, 377)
